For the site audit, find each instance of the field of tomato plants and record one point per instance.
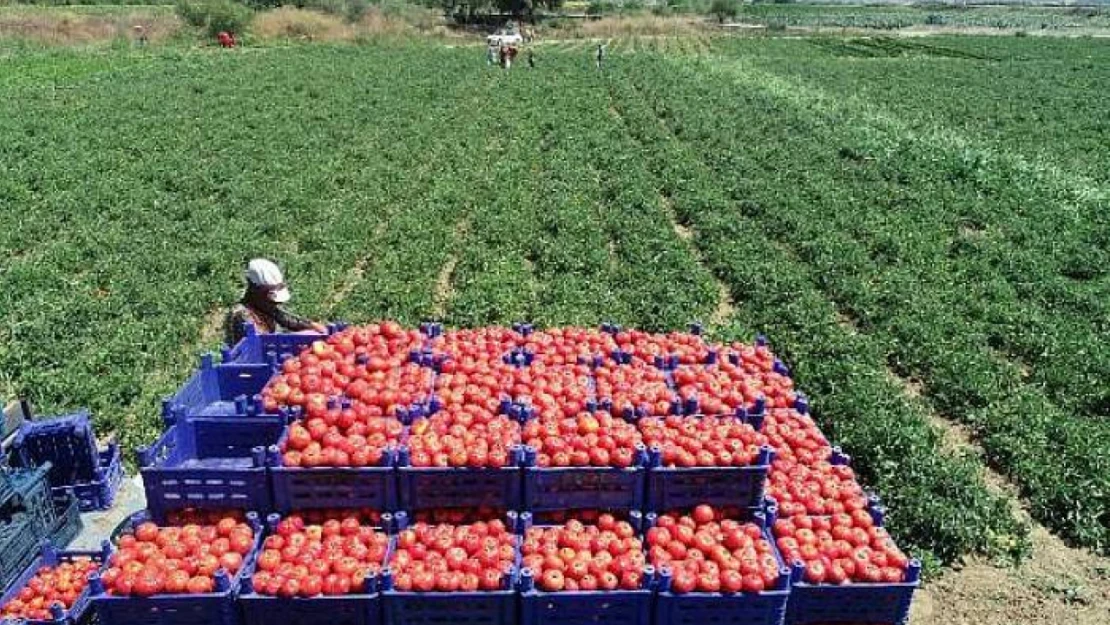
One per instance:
(919, 245)
(891, 16)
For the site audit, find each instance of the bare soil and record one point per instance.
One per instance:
(1058, 585)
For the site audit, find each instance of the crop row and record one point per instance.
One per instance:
(775, 292)
(890, 17)
(868, 232)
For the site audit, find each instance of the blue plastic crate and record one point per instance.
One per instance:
(495, 607)
(220, 390)
(619, 607)
(48, 555)
(210, 463)
(364, 608)
(262, 348)
(299, 488)
(882, 604)
(67, 443)
(578, 488)
(28, 492)
(672, 488)
(68, 524)
(100, 493)
(700, 608)
(17, 485)
(356, 609)
(215, 608)
(18, 541)
(427, 488)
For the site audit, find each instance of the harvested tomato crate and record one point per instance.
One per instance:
(210, 463)
(494, 607)
(224, 390)
(577, 488)
(362, 608)
(215, 608)
(670, 488)
(612, 607)
(48, 555)
(428, 488)
(885, 604)
(856, 602)
(303, 488)
(746, 608)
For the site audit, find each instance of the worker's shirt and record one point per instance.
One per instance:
(265, 321)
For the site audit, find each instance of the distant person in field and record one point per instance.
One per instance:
(510, 54)
(600, 55)
(140, 35)
(262, 305)
(226, 39)
(491, 54)
(531, 59)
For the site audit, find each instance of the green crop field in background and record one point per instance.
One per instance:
(920, 226)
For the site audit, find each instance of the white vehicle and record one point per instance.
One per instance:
(505, 38)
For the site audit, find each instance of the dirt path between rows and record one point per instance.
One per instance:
(1056, 585)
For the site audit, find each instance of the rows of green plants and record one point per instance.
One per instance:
(892, 17)
(411, 180)
(558, 232)
(878, 218)
(968, 84)
(141, 193)
(1035, 228)
(861, 408)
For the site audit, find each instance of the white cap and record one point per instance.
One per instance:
(265, 274)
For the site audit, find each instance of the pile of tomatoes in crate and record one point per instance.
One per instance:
(707, 552)
(605, 555)
(580, 394)
(60, 584)
(332, 557)
(446, 557)
(177, 559)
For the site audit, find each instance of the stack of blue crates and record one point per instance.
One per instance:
(78, 465)
(221, 446)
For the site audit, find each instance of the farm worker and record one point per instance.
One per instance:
(510, 54)
(491, 54)
(140, 35)
(600, 55)
(531, 59)
(261, 304)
